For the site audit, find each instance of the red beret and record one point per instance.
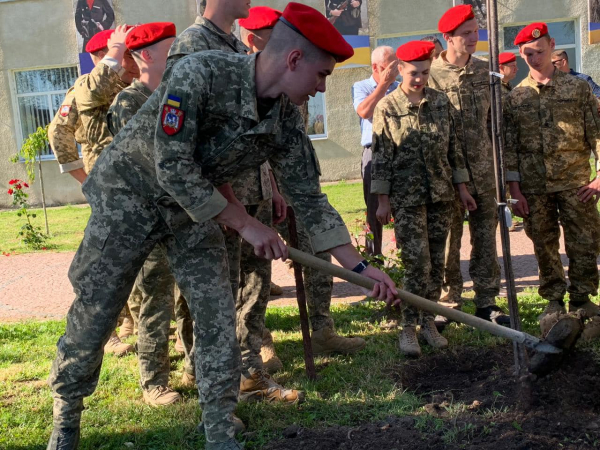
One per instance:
(531, 32)
(506, 57)
(315, 27)
(455, 17)
(415, 51)
(149, 33)
(99, 41)
(260, 17)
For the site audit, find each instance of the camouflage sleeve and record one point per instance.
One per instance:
(61, 135)
(456, 157)
(121, 111)
(175, 142)
(383, 153)
(592, 120)
(511, 142)
(297, 171)
(99, 87)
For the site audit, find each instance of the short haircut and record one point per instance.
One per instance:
(433, 39)
(380, 53)
(560, 54)
(284, 39)
(244, 33)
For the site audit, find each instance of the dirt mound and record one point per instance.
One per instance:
(472, 401)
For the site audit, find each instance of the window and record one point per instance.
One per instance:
(39, 94)
(564, 33)
(317, 125)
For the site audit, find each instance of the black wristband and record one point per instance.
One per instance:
(361, 266)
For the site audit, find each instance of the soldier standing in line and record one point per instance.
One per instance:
(149, 45)
(255, 33)
(416, 161)
(465, 79)
(220, 114)
(552, 126)
(67, 128)
(508, 68)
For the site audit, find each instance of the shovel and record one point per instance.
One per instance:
(548, 353)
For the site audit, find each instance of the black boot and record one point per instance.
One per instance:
(493, 314)
(64, 439)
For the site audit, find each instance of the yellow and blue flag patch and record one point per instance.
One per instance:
(174, 101)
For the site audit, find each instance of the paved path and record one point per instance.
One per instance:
(35, 286)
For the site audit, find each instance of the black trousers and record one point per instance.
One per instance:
(375, 234)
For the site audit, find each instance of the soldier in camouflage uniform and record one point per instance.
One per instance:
(416, 161)
(67, 128)
(216, 120)
(552, 126)
(155, 285)
(65, 132)
(254, 189)
(465, 80)
(508, 68)
(252, 298)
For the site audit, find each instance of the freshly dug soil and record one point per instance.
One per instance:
(472, 401)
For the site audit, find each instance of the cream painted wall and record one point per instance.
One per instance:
(339, 154)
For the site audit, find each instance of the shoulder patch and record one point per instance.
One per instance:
(172, 119)
(65, 110)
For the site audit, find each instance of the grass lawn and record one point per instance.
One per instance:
(68, 222)
(344, 394)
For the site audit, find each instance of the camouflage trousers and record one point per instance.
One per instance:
(185, 328)
(421, 233)
(103, 272)
(581, 226)
(318, 286)
(483, 265)
(250, 278)
(151, 303)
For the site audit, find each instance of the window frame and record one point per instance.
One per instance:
(12, 79)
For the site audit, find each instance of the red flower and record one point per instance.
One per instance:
(44, 248)
(26, 185)
(18, 186)
(11, 182)
(10, 192)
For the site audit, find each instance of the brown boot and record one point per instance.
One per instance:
(179, 345)
(161, 396)
(430, 333)
(271, 363)
(275, 289)
(261, 387)
(551, 308)
(127, 328)
(452, 298)
(326, 341)
(188, 381)
(409, 345)
(115, 346)
(590, 308)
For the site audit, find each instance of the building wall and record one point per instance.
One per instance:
(55, 44)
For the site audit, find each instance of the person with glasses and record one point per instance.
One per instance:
(560, 60)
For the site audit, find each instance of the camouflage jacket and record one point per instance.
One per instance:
(94, 96)
(416, 156)
(255, 185)
(550, 132)
(208, 133)
(126, 104)
(65, 132)
(468, 89)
